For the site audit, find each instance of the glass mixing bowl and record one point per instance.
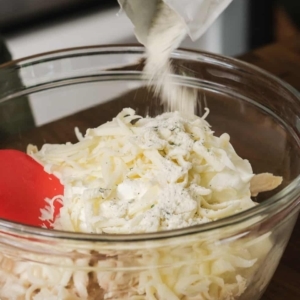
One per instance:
(42, 99)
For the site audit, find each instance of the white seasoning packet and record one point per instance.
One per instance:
(198, 15)
(140, 13)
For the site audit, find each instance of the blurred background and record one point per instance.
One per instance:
(28, 27)
(34, 26)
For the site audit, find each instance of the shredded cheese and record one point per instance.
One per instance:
(189, 269)
(156, 174)
(137, 175)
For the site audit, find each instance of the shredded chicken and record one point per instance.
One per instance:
(264, 182)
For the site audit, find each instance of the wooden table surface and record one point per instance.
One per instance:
(284, 62)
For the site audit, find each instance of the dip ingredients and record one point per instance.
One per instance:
(137, 175)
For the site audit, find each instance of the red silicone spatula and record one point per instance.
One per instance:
(24, 186)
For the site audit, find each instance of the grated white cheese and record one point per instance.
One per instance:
(189, 269)
(157, 174)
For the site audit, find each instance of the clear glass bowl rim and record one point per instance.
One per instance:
(286, 197)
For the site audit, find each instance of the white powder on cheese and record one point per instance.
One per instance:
(157, 174)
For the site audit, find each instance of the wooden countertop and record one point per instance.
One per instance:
(284, 62)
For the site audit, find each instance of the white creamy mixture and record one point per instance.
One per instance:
(134, 175)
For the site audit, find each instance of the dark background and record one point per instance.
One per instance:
(16, 15)
(269, 20)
